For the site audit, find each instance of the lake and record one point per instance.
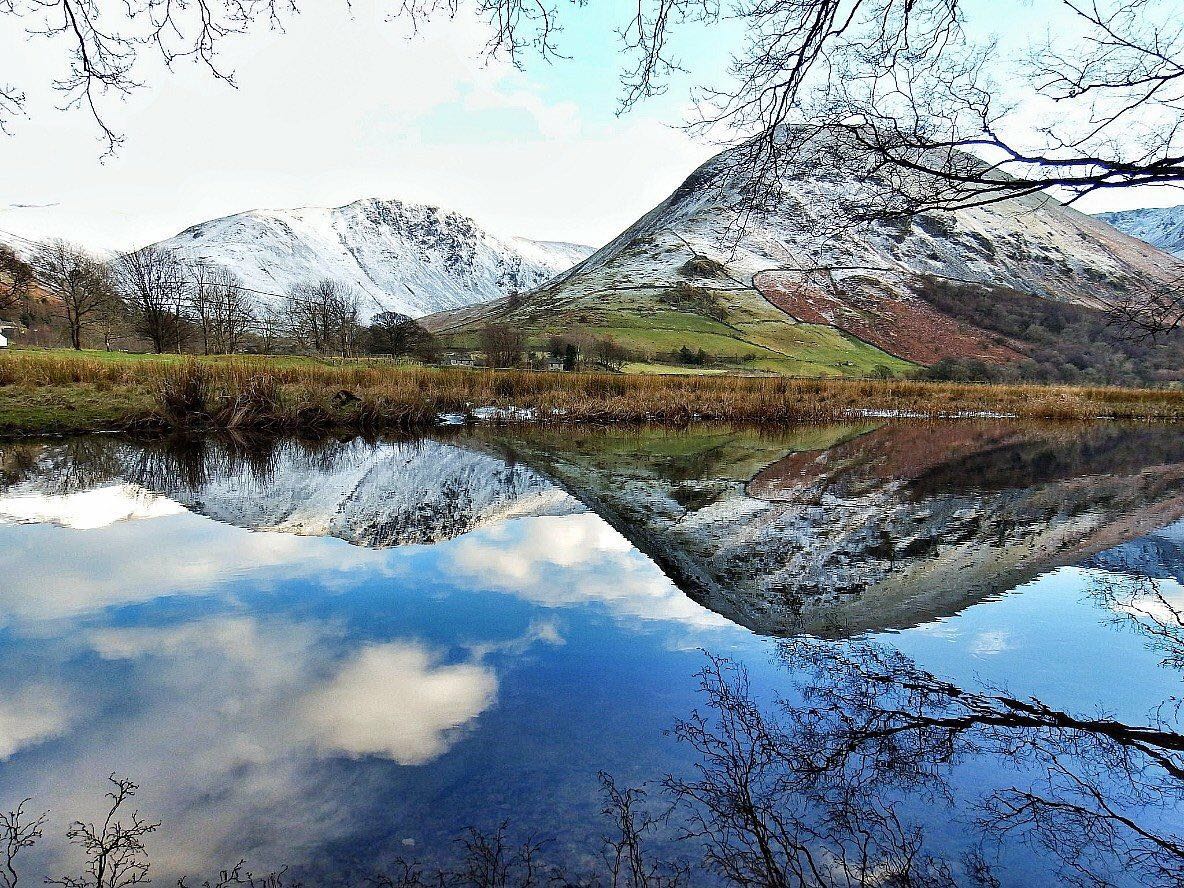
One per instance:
(873, 653)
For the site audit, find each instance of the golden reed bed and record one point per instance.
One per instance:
(55, 391)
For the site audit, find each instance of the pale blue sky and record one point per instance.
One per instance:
(337, 109)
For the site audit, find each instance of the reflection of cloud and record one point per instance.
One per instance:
(234, 715)
(88, 509)
(987, 644)
(130, 562)
(576, 559)
(399, 702)
(938, 629)
(28, 716)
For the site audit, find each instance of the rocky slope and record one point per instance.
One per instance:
(831, 530)
(374, 495)
(399, 256)
(790, 286)
(857, 528)
(1162, 227)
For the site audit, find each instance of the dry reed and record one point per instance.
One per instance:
(283, 395)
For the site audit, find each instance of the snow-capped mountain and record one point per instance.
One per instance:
(399, 256)
(858, 528)
(1032, 244)
(1162, 227)
(375, 495)
(794, 258)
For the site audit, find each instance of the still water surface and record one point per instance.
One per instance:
(962, 641)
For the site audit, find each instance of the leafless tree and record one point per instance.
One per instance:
(872, 722)
(610, 353)
(114, 849)
(152, 284)
(1143, 604)
(398, 335)
(79, 283)
(323, 317)
(18, 831)
(221, 308)
(628, 861)
(270, 327)
(765, 815)
(933, 111)
(98, 45)
(16, 282)
(905, 79)
(503, 345)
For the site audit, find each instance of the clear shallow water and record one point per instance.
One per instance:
(331, 655)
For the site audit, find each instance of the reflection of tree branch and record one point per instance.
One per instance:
(1140, 603)
(873, 721)
(766, 815)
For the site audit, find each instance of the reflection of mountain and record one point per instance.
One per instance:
(374, 495)
(849, 529)
(1158, 555)
(382, 495)
(825, 529)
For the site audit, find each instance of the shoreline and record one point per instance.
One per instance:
(62, 393)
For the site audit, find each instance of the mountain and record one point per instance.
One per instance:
(827, 529)
(1161, 227)
(790, 286)
(862, 527)
(399, 256)
(376, 495)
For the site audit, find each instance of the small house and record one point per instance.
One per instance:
(554, 364)
(4, 328)
(458, 359)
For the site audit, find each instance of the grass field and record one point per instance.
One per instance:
(63, 391)
(753, 335)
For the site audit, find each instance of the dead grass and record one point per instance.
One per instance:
(53, 391)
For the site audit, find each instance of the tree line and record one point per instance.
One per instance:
(170, 303)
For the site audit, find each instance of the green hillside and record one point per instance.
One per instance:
(737, 329)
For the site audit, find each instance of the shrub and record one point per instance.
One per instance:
(702, 266)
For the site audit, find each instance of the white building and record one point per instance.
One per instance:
(3, 339)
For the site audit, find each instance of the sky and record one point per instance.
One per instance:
(343, 106)
(339, 108)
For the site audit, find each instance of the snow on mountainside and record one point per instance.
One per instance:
(1032, 244)
(794, 259)
(1161, 227)
(399, 256)
(390, 494)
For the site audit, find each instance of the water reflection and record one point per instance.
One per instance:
(835, 530)
(328, 653)
(814, 790)
(826, 529)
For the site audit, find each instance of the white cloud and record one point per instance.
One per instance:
(397, 701)
(30, 715)
(88, 509)
(579, 559)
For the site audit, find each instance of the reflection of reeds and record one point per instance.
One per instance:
(289, 395)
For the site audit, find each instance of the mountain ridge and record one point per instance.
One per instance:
(400, 256)
(797, 291)
(1162, 227)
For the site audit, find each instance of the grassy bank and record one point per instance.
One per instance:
(64, 392)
